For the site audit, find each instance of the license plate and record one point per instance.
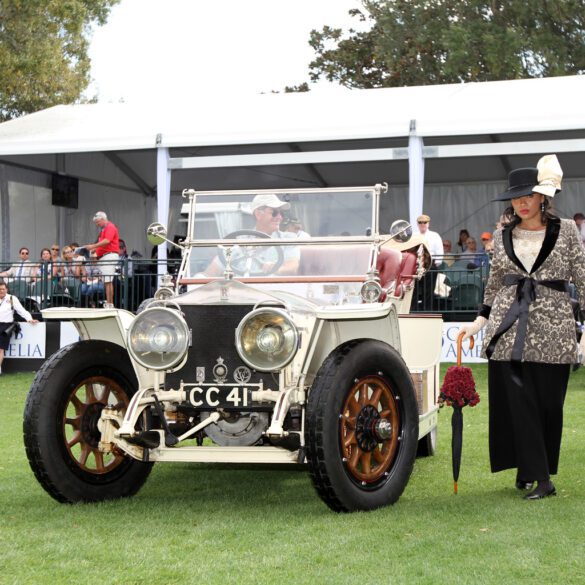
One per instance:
(210, 397)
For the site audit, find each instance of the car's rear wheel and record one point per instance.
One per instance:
(362, 427)
(61, 417)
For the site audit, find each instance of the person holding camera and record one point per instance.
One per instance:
(9, 304)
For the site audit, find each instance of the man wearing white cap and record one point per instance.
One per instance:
(107, 250)
(267, 211)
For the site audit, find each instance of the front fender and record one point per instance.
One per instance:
(341, 324)
(104, 324)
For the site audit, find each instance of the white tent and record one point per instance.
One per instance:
(450, 146)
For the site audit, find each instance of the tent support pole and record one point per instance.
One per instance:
(4, 215)
(163, 197)
(416, 174)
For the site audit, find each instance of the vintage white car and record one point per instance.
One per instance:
(274, 345)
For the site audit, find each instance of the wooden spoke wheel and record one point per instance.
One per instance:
(80, 423)
(369, 427)
(61, 431)
(361, 431)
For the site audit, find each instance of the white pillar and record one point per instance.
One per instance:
(163, 197)
(416, 174)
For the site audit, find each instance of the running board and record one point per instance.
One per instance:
(224, 455)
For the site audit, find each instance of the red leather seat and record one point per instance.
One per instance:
(388, 265)
(399, 267)
(392, 265)
(408, 268)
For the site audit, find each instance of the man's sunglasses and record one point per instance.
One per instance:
(422, 222)
(275, 212)
(24, 252)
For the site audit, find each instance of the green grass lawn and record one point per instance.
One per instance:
(215, 524)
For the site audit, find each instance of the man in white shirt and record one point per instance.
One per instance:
(21, 269)
(433, 238)
(267, 211)
(423, 299)
(9, 304)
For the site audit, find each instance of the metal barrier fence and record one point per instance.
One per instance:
(454, 288)
(42, 285)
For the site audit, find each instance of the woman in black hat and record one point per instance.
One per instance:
(530, 338)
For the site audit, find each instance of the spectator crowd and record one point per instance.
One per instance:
(84, 274)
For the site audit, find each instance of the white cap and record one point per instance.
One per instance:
(100, 215)
(268, 200)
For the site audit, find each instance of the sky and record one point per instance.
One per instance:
(164, 50)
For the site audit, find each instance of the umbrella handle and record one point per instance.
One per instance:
(460, 342)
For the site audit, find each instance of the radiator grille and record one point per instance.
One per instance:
(213, 336)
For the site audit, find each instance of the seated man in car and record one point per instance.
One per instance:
(267, 210)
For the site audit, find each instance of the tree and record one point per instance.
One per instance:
(43, 52)
(422, 42)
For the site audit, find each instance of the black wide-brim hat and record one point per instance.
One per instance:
(521, 182)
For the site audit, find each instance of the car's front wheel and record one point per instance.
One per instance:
(362, 427)
(61, 417)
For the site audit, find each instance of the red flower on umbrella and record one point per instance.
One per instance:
(458, 388)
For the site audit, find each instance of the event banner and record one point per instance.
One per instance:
(31, 342)
(449, 349)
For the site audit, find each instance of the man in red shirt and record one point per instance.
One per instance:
(107, 249)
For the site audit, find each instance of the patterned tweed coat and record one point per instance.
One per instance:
(535, 306)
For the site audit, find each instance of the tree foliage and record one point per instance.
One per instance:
(43, 52)
(422, 42)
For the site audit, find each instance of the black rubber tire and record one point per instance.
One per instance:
(339, 374)
(46, 422)
(427, 446)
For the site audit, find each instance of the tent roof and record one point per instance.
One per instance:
(518, 106)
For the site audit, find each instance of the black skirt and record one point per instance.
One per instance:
(4, 339)
(526, 416)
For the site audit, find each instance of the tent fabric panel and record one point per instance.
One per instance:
(35, 222)
(445, 110)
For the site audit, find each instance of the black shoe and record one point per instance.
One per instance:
(542, 492)
(524, 485)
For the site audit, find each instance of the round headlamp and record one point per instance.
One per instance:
(371, 291)
(267, 339)
(158, 338)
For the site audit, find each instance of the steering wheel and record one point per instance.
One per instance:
(253, 260)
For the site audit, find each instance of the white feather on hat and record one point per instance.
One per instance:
(549, 176)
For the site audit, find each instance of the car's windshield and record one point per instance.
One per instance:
(280, 234)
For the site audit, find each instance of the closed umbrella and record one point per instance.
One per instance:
(458, 390)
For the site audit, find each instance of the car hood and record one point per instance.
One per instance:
(220, 292)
